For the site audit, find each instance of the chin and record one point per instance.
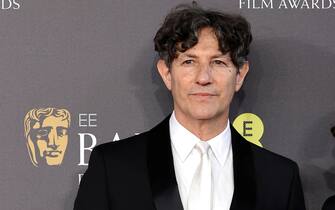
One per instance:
(54, 161)
(203, 114)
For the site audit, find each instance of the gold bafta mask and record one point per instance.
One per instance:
(46, 132)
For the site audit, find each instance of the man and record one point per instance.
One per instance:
(329, 204)
(194, 159)
(46, 132)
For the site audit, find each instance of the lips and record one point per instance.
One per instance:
(203, 94)
(52, 153)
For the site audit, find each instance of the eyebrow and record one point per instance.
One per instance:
(50, 127)
(45, 127)
(62, 127)
(189, 55)
(220, 55)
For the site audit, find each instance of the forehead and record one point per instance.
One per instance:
(54, 122)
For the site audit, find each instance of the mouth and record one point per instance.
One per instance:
(203, 95)
(53, 153)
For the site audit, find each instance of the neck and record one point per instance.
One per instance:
(204, 129)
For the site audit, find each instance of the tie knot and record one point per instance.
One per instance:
(203, 147)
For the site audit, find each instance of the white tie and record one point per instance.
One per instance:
(201, 187)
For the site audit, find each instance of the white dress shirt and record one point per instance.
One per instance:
(185, 163)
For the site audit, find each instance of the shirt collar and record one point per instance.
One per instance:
(183, 141)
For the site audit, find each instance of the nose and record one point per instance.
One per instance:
(52, 139)
(204, 76)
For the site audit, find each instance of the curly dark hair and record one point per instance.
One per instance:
(179, 32)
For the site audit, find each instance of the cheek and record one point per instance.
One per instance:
(41, 144)
(227, 87)
(225, 79)
(180, 84)
(63, 142)
(230, 82)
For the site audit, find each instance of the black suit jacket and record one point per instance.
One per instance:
(329, 203)
(138, 174)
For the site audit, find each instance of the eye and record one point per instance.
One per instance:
(42, 133)
(219, 62)
(188, 62)
(61, 132)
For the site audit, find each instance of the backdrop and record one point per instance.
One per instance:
(92, 64)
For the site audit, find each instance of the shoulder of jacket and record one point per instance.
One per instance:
(271, 158)
(123, 144)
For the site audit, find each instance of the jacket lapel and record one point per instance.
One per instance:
(162, 175)
(244, 174)
(161, 168)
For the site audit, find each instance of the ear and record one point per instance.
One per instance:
(241, 75)
(165, 73)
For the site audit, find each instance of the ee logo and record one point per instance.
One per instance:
(250, 126)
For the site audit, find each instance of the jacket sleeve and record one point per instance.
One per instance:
(92, 193)
(296, 196)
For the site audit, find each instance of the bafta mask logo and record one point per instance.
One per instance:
(46, 133)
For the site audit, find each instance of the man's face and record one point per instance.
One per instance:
(51, 139)
(202, 80)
